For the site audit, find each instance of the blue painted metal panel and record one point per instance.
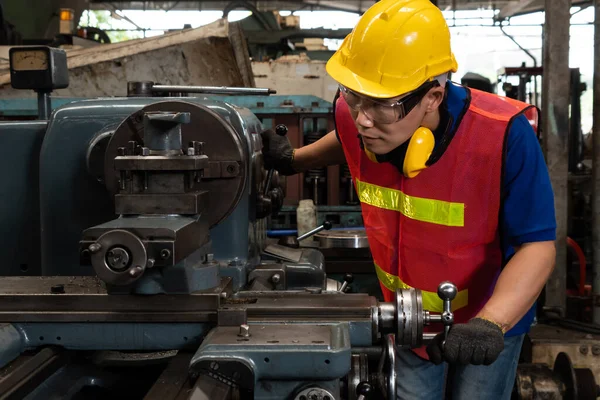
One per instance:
(72, 200)
(113, 336)
(11, 344)
(19, 213)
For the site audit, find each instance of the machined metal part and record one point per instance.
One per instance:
(359, 372)
(538, 381)
(208, 388)
(348, 239)
(224, 177)
(120, 258)
(85, 299)
(409, 318)
(212, 90)
(325, 226)
(386, 370)
(27, 374)
(172, 381)
(271, 276)
(312, 349)
(167, 239)
(315, 393)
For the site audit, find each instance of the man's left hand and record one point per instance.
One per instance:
(477, 342)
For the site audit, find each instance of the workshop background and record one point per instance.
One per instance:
(150, 107)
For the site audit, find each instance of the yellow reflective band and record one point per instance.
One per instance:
(417, 208)
(431, 300)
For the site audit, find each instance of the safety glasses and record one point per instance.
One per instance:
(384, 111)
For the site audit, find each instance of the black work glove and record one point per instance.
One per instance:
(278, 152)
(476, 342)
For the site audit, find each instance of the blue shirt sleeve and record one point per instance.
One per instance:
(528, 207)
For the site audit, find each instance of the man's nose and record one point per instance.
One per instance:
(363, 119)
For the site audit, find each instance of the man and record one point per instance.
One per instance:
(453, 186)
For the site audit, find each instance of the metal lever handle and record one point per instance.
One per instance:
(447, 292)
(348, 279)
(280, 130)
(364, 390)
(326, 226)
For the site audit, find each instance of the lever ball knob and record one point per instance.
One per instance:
(364, 389)
(327, 225)
(349, 278)
(447, 291)
(281, 130)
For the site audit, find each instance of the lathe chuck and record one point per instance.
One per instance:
(226, 177)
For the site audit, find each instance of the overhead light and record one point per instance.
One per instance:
(67, 23)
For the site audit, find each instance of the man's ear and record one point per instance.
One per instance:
(434, 98)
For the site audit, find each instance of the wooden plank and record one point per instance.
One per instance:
(201, 56)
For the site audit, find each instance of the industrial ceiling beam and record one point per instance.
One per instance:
(359, 6)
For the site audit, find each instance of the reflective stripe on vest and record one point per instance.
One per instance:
(431, 301)
(421, 209)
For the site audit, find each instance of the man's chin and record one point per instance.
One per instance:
(377, 147)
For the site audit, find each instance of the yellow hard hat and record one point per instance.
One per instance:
(396, 46)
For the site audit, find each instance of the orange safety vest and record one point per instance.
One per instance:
(443, 223)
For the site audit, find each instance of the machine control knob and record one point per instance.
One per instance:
(348, 279)
(281, 130)
(447, 292)
(294, 242)
(327, 225)
(364, 390)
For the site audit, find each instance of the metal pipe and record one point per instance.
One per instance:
(596, 168)
(44, 105)
(555, 123)
(213, 90)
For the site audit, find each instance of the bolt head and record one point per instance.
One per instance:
(244, 330)
(165, 253)
(95, 247)
(447, 291)
(276, 278)
(136, 271)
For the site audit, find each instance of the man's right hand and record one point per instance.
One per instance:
(278, 152)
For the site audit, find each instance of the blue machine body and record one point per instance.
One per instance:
(71, 200)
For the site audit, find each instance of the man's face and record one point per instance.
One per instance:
(386, 124)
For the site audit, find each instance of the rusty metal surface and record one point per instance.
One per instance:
(582, 348)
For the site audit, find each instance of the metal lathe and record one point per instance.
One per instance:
(155, 279)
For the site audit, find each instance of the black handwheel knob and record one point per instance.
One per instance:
(364, 389)
(281, 130)
(349, 278)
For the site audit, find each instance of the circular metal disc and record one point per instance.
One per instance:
(564, 369)
(346, 239)
(130, 243)
(221, 143)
